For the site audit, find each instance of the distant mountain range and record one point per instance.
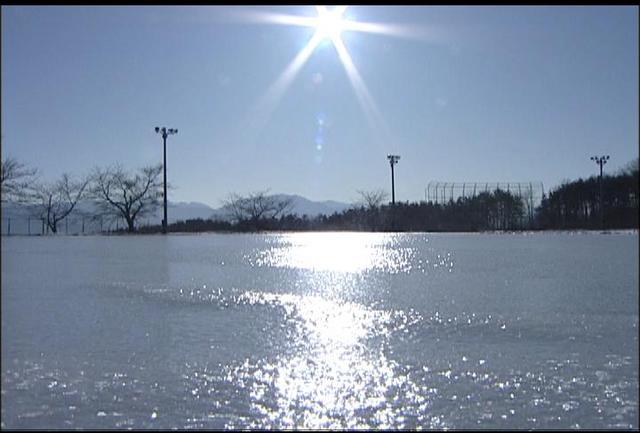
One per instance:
(177, 211)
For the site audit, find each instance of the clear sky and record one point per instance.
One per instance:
(463, 94)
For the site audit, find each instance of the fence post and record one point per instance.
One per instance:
(8, 226)
(66, 226)
(82, 225)
(29, 226)
(42, 226)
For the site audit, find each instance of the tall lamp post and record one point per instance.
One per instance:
(601, 161)
(165, 133)
(393, 160)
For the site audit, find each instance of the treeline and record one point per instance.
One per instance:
(498, 210)
(127, 196)
(573, 205)
(576, 205)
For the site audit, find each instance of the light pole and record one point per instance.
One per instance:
(601, 161)
(165, 133)
(393, 160)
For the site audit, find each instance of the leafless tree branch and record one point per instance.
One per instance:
(55, 201)
(373, 199)
(16, 180)
(256, 206)
(127, 195)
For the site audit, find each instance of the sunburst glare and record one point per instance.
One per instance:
(329, 24)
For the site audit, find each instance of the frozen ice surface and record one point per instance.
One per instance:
(321, 330)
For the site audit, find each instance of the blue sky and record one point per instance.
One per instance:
(484, 94)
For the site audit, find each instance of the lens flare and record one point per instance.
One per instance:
(329, 25)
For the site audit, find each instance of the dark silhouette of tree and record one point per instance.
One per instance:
(255, 208)
(371, 215)
(127, 195)
(16, 180)
(631, 168)
(55, 201)
(575, 204)
(373, 199)
(506, 210)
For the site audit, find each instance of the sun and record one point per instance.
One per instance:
(329, 23)
(328, 26)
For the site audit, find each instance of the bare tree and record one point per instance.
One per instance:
(53, 202)
(126, 195)
(256, 206)
(373, 199)
(16, 180)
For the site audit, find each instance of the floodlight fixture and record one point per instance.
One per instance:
(393, 160)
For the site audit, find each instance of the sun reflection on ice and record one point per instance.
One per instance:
(337, 252)
(332, 376)
(335, 370)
